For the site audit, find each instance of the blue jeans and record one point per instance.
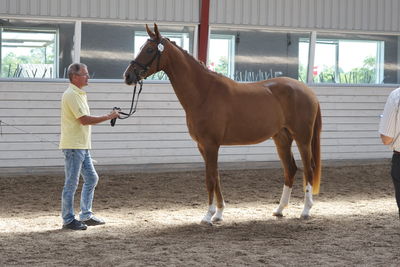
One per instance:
(78, 161)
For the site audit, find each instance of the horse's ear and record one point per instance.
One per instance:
(149, 32)
(157, 33)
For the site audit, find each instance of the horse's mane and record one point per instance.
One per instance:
(201, 63)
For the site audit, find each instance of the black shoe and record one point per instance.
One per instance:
(75, 225)
(94, 221)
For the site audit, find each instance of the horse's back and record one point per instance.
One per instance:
(288, 89)
(298, 102)
(278, 95)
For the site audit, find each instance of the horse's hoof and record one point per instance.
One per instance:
(277, 214)
(207, 223)
(217, 220)
(305, 216)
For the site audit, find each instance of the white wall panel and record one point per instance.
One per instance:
(54, 8)
(158, 133)
(43, 8)
(119, 10)
(349, 15)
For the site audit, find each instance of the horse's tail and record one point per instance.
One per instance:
(316, 151)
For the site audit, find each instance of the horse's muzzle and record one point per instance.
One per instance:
(131, 78)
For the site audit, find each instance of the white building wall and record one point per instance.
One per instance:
(173, 11)
(158, 133)
(349, 15)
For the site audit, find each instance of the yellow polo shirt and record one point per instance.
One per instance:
(74, 105)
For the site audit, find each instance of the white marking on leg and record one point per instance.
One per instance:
(210, 213)
(218, 215)
(308, 202)
(284, 202)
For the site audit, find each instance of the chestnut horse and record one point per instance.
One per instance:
(220, 111)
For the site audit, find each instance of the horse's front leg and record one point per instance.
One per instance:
(216, 202)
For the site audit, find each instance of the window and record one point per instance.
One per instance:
(221, 55)
(35, 49)
(38, 49)
(254, 55)
(344, 61)
(28, 53)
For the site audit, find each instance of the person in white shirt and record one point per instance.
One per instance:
(389, 129)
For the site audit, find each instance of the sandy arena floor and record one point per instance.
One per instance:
(153, 220)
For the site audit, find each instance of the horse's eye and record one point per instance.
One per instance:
(150, 50)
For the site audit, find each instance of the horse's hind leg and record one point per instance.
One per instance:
(215, 208)
(283, 141)
(306, 156)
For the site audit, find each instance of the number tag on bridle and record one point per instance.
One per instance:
(160, 47)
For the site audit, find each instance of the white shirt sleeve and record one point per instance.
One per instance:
(388, 123)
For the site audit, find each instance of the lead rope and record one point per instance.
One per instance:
(132, 110)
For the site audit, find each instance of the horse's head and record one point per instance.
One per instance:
(147, 61)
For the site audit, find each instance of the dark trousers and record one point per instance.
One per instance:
(395, 172)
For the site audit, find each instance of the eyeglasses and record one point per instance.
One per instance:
(85, 74)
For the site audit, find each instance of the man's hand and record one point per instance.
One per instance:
(386, 140)
(113, 114)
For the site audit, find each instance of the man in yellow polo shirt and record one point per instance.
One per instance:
(75, 142)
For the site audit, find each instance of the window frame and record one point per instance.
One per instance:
(231, 51)
(336, 43)
(45, 30)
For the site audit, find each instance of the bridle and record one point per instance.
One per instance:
(146, 67)
(139, 74)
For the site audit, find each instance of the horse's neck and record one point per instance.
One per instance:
(188, 78)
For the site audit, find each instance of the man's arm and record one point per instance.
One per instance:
(386, 140)
(91, 120)
(389, 117)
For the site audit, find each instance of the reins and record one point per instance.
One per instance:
(139, 74)
(133, 105)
